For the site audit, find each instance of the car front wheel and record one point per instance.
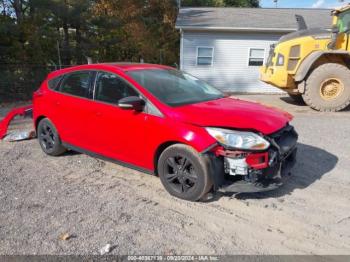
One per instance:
(49, 139)
(184, 172)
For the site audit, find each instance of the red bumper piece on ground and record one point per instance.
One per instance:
(4, 124)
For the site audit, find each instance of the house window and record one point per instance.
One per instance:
(256, 57)
(205, 55)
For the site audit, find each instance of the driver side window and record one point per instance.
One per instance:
(111, 88)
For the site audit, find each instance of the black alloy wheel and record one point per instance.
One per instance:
(184, 172)
(49, 139)
(181, 174)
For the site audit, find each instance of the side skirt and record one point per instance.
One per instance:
(118, 162)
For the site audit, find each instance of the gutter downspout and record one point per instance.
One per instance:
(181, 48)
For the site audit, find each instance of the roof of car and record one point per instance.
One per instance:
(135, 66)
(123, 66)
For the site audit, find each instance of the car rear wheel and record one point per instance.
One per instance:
(184, 173)
(49, 139)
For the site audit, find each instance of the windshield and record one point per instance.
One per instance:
(344, 21)
(174, 87)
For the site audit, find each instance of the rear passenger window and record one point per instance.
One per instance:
(111, 88)
(76, 84)
(53, 83)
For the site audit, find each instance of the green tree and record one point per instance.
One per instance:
(242, 3)
(144, 30)
(35, 35)
(220, 3)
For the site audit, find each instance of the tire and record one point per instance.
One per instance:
(49, 139)
(336, 78)
(190, 180)
(297, 98)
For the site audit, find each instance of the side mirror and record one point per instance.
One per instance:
(132, 103)
(335, 29)
(334, 37)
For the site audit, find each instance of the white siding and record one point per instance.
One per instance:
(230, 70)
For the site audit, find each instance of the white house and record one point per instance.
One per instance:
(226, 46)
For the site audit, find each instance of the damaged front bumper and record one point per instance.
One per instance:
(263, 180)
(248, 172)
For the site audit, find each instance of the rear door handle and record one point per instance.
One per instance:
(98, 114)
(57, 103)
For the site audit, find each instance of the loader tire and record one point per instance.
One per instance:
(328, 88)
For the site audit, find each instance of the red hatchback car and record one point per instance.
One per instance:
(166, 122)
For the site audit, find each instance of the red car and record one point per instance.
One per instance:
(165, 122)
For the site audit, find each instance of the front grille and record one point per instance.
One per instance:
(285, 140)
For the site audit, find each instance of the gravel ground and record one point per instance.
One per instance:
(97, 202)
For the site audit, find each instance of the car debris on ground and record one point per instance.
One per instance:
(16, 135)
(106, 249)
(65, 236)
(19, 135)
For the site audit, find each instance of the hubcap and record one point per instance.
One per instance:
(331, 88)
(47, 137)
(180, 174)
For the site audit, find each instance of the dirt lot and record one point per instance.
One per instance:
(98, 202)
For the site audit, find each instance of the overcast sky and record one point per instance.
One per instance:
(303, 3)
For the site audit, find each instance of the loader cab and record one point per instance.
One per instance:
(341, 28)
(342, 21)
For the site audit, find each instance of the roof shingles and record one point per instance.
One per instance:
(263, 19)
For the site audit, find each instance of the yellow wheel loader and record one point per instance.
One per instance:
(313, 64)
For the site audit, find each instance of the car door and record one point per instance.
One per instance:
(72, 101)
(118, 133)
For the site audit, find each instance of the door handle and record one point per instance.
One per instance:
(57, 103)
(98, 114)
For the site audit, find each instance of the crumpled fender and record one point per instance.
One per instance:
(4, 124)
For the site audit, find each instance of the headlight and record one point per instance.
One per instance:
(238, 139)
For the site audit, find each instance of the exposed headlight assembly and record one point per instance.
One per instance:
(238, 139)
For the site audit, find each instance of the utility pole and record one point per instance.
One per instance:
(59, 54)
(179, 4)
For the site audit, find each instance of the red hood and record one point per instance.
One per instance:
(236, 114)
